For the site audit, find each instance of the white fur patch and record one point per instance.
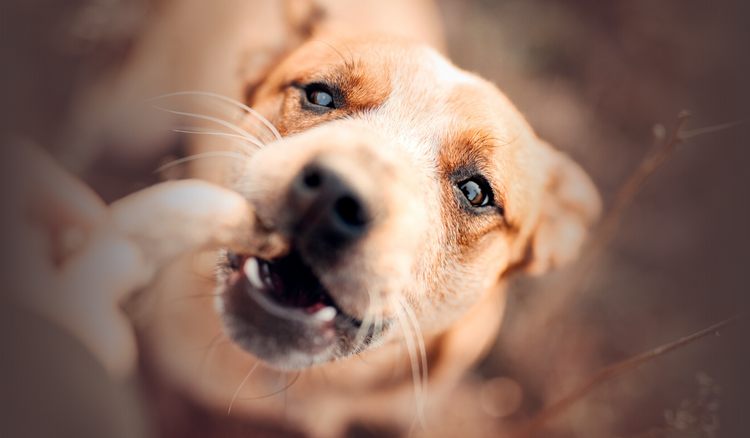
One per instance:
(414, 114)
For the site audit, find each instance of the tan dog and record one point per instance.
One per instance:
(403, 193)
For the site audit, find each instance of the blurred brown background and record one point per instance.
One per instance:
(593, 78)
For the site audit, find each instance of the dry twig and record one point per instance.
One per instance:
(551, 308)
(657, 155)
(655, 158)
(537, 423)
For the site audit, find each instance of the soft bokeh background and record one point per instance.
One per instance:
(593, 78)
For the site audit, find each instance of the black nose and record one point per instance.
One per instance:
(328, 214)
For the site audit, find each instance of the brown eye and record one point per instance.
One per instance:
(320, 97)
(475, 192)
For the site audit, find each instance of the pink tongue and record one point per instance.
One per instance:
(314, 308)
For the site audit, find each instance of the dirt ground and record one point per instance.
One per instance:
(593, 78)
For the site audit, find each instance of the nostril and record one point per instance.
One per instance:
(350, 211)
(327, 213)
(312, 178)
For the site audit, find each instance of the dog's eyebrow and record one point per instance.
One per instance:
(363, 89)
(486, 141)
(476, 140)
(359, 87)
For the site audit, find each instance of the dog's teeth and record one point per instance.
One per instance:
(325, 314)
(252, 270)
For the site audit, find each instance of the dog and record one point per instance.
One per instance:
(402, 192)
(394, 194)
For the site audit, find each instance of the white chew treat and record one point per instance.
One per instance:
(252, 270)
(325, 314)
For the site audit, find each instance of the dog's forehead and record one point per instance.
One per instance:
(432, 106)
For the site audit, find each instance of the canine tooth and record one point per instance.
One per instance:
(252, 270)
(325, 314)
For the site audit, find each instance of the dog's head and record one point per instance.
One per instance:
(404, 189)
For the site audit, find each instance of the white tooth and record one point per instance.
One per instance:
(325, 314)
(252, 270)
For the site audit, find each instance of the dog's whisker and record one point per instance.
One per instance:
(208, 279)
(399, 359)
(217, 120)
(204, 359)
(367, 321)
(351, 54)
(289, 385)
(218, 134)
(412, 348)
(251, 111)
(238, 122)
(378, 312)
(225, 154)
(379, 320)
(365, 326)
(520, 133)
(324, 376)
(241, 385)
(422, 349)
(240, 119)
(276, 135)
(346, 63)
(192, 297)
(243, 146)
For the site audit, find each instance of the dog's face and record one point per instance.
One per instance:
(404, 190)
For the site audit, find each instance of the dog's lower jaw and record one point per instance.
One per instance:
(287, 332)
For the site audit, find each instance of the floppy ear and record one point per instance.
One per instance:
(570, 205)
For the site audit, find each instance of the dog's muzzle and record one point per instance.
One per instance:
(335, 194)
(279, 309)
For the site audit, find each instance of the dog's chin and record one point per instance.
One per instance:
(280, 312)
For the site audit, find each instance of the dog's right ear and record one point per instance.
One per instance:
(570, 206)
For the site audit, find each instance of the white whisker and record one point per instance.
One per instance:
(422, 348)
(262, 119)
(239, 117)
(241, 385)
(204, 361)
(246, 135)
(242, 141)
(223, 134)
(378, 313)
(373, 309)
(203, 155)
(406, 329)
(378, 323)
(366, 323)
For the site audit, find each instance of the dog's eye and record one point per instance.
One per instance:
(320, 96)
(475, 191)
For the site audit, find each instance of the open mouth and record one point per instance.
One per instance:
(279, 311)
(286, 287)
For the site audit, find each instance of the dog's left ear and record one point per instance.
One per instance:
(570, 205)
